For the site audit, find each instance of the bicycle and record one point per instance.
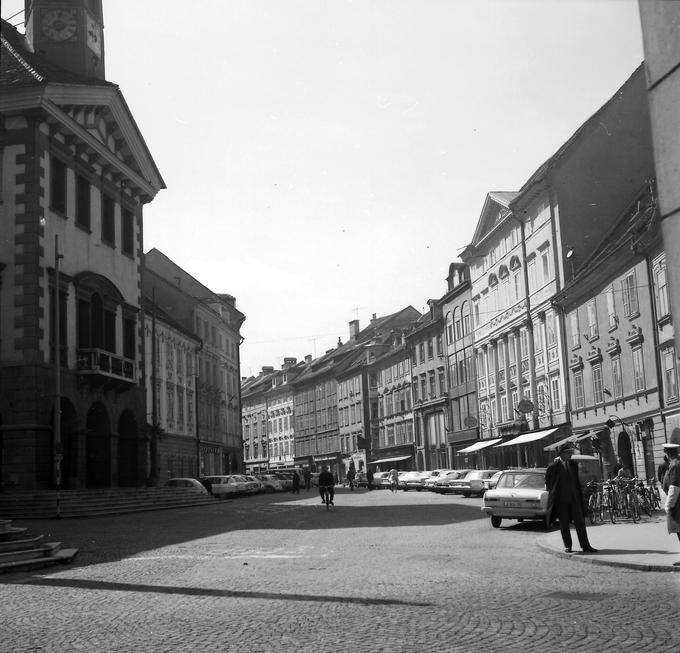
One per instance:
(327, 496)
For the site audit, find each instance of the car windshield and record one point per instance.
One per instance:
(522, 480)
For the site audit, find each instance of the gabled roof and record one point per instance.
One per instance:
(29, 81)
(565, 150)
(496, 208)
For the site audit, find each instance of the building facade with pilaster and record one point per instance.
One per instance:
(75, 174)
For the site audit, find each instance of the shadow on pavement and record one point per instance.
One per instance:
(202, 591)
(114, 537)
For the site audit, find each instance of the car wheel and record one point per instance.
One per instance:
(418, 489)
(496, 521)
(546, 522)
(466, 495)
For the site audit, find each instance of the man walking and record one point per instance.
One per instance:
(565, 499)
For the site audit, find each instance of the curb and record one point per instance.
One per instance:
(606, 563)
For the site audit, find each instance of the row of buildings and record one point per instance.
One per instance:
(556, 322)
(116, 368)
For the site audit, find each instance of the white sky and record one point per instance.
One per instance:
(327, 159)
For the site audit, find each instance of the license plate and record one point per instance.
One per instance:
(511, 504)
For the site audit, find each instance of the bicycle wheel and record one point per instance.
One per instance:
(634, 508)
(592, 509)
(611, 511)
(646, 503)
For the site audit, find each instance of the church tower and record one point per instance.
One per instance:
(69, 33)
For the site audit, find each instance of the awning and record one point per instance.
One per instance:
(388, 460)
(570, 438)
(528, 437)
(479, 445)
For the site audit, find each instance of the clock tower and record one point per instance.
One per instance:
(69, 33)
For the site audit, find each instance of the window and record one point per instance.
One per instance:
(475, 313)
(430, 349)
(108, 220)
(575, 333)
(555, 394)
(598, 394)
(466, 318)
(663, 306)
(432, 390)
(83, 203)
(58, 185)
(440, 349)
(550, 329)
(617, 378)
(629, 295)
(442, 382)
(592, 319)
(421, 352)
(517, 284)
(531, 271)
(128, 233)
(129, 330)
(545, 264)
(611, 308)
(579, 394)
(638, 370)
(670, 376)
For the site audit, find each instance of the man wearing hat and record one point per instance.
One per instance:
(671, 486)
(565, 498)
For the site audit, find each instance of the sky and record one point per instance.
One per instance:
(326, 160)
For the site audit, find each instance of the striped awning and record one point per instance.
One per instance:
(482, 444)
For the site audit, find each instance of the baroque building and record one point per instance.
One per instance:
(215, 320)
(76, 174)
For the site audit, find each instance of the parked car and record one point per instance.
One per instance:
(431, 480)
(413, 481)
(223, 486)
(285, 479)
(269, 483)
(378, 478)
(489, 483)
(520, 494)
(254, 484)
(443, 480)
(188, 483)
(471, 483)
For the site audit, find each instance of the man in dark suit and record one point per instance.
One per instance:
(565, 499)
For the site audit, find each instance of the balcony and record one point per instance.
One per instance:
(101, 367)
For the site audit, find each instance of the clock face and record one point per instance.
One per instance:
(94, 36)
(59, 24)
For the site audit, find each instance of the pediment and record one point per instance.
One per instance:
(97, 124)
(495, 210)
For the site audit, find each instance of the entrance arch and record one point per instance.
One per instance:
(98, 446)
(625, 452)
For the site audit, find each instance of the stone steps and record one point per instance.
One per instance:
(91, 503)
(29, 553)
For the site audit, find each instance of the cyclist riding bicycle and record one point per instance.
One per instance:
(326, 482)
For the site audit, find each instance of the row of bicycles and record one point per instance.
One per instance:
(619, 499)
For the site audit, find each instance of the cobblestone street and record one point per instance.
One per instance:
(380, 572)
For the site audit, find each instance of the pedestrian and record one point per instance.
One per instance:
(308, 478)
(394, 480)
(565, 498)
(369, 479)
(671, 486)
(327, 481)
(662, 469)
(296, 483)
(617, 467)
(351, 474)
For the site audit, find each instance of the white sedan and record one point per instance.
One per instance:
(520, 494)
(187, 483)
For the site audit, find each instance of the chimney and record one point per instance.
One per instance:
(353, 329)
(308, 359)
(374, 317)
(267, 369)
(288, 362)
(339, 342)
